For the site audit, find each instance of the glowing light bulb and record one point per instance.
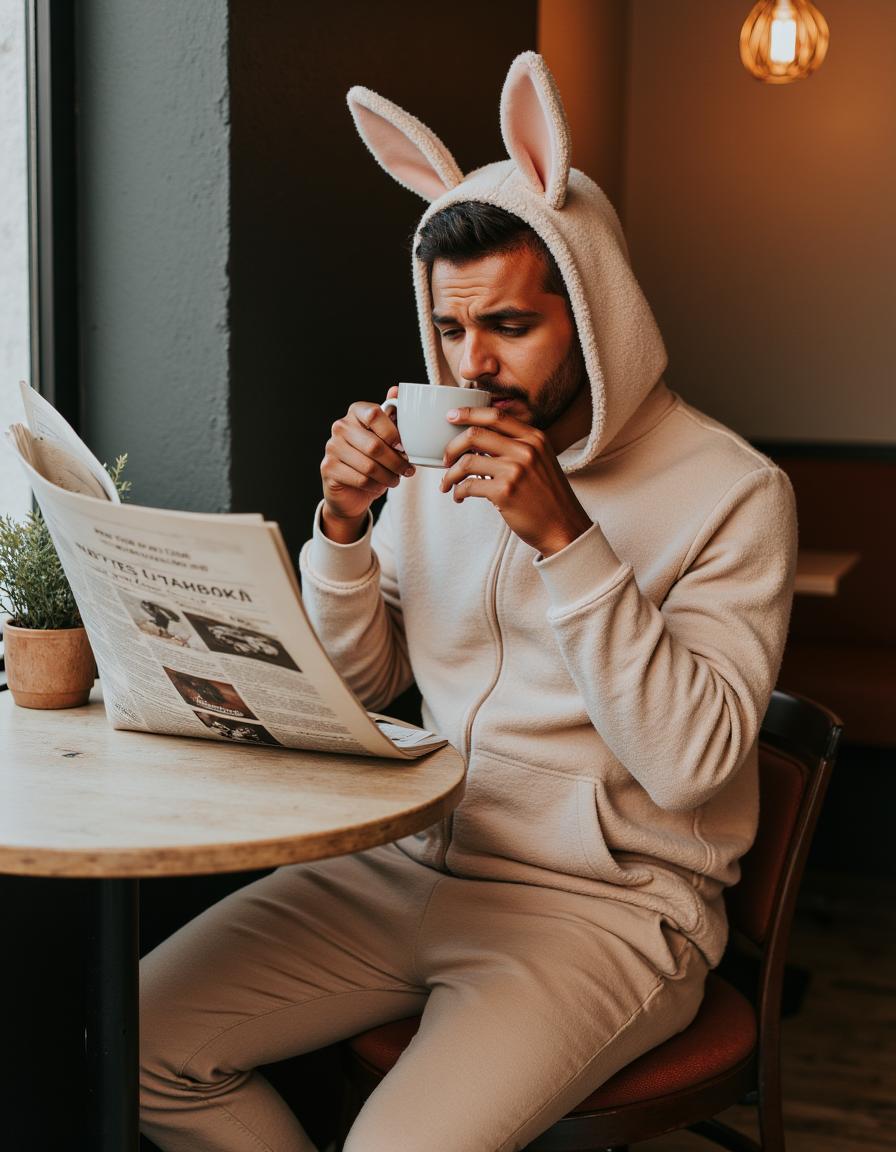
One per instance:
(783, 40)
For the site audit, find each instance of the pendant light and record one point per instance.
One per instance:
(783, 40)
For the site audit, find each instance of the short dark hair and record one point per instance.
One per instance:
(470, 230)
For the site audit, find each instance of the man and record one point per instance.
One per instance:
(592, 598)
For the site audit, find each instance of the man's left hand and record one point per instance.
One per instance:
(513, 465)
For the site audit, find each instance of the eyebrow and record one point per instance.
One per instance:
(496, 317)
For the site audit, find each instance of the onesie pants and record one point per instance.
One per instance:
(530, 997)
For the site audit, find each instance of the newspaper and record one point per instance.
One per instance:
(196, 621)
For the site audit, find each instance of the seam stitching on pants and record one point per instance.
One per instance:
(258, 1140)
(637, 1012)
(284, 1008)
(432, 893)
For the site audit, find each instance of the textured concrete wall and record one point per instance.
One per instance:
(153, 240)
(14, 345)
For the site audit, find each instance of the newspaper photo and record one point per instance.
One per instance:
(196, 621)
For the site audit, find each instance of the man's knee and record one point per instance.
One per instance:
(164, 1047)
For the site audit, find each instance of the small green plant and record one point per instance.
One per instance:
(122, 487)
(33, 589)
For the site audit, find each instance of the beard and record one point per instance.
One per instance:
(553, 396)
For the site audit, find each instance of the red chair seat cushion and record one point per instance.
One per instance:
(722, 1035)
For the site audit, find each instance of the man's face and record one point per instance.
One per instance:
(502, 332)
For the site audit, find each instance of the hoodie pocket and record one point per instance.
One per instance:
(544, 819)
(594, 843)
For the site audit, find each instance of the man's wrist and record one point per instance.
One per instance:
(565, 536)
(342, 529)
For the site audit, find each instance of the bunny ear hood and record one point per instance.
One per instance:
(622, 346)
(404, 146)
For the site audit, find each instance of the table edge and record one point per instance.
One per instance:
(239, 856)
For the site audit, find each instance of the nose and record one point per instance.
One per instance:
(478, 358)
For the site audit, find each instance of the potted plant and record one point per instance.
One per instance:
(49, 663)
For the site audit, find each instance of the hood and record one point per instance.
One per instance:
(622, 347)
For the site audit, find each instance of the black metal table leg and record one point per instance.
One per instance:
(112, 1017)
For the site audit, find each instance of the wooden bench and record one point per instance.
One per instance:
(842, 650)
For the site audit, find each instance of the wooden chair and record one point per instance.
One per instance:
(730, 1053)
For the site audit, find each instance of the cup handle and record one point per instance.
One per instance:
(391, 403)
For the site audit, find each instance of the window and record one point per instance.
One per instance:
(15, 351)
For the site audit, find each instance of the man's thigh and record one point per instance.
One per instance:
(286, 965)
(537, 997)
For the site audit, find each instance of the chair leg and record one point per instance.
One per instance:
(769, 1101)
(771, 1118)
(724, 1136)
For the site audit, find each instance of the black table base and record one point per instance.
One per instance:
(112, 1030)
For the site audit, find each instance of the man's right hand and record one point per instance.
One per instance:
(362, 459)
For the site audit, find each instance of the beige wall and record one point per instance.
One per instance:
(583, 42)
(761, 219)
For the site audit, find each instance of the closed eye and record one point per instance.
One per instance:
(511, 330)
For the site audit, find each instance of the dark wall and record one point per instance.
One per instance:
(322, 309)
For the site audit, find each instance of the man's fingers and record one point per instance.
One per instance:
(367, 466)
(372, 417)
(370, 444)
(475, 465)
(478, 438)
(342, 474)
(479, 486)
(495, 418)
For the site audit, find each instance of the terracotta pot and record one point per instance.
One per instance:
(48, 667)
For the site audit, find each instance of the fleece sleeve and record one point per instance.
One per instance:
(350, 592)
(678, 692)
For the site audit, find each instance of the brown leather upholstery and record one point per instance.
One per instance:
(722, 1035)
(750, 903)
(380, 1047)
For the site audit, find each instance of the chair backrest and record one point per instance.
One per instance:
(797, 746)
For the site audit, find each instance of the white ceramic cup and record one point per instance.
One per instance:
(421, 408)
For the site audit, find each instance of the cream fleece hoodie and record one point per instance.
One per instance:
(607, 700)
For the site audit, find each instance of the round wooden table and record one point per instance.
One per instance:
(78, 799)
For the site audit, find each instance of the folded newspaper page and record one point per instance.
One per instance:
(196, 621)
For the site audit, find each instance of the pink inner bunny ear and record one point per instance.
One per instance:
(408, 150)
(534, 127)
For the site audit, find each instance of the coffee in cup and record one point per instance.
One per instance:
(422, 425)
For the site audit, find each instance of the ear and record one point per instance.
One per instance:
(534, 127)
(405, 147)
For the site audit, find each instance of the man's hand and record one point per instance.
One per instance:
(518, 473)
(363, 458)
